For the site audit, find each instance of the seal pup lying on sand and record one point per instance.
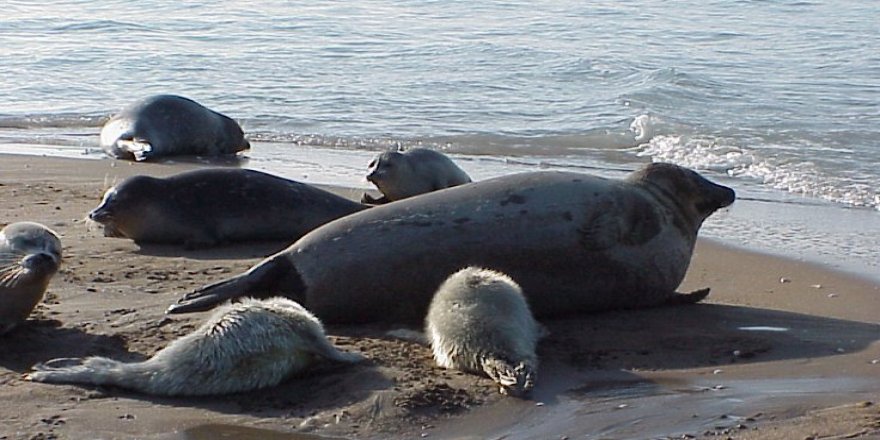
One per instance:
(399, 175)
(216, 206)
(479, 322)
(169, 125)
(30, 255)
(244, 346)
(575, 243)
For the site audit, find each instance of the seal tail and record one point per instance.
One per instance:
(272, 276)
(514, 381)
(688, 298)
(343, 356)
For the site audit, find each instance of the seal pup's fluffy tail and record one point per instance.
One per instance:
(275, 275)
(244, 346)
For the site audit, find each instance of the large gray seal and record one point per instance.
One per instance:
(244, 346)
(169, 125)
(574, 243)
(399, 175)
(216, 206)
(479, 322)
(30, 255)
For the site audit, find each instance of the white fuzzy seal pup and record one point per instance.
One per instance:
(479, 322)
(399, 175)
(30, 255)
(244, 346)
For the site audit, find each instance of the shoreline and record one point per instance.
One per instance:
(798, 343)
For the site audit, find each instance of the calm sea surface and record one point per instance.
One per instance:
(779, 99)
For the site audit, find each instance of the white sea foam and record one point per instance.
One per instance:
(722, 155)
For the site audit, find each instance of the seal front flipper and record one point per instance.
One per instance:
(139, 148)
(688, 298)
(274, 275)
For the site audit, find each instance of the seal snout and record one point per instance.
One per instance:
(40, 261)
(719, 196)
(100, 215)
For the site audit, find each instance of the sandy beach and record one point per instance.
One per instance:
(781, 349)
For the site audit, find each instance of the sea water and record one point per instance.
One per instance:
(779, 99)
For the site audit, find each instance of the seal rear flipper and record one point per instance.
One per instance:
(93, 371)
(138, 148)
(268, 278)
(688, 298)
(513, 380)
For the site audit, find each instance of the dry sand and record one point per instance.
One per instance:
(781, 349)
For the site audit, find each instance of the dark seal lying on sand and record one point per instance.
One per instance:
(216, 206)
(169, 125)
(574, 243)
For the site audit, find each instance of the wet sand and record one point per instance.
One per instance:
(780, 349)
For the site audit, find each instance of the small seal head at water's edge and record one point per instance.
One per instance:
(399, 175)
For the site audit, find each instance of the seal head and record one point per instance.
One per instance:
(30, 254)
(695, 196)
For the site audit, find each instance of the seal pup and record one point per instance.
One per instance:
(30, 255)
(170, 125)
(244, 346)
(216, 206)
(479, 322)
(399, 175)
(575, 243)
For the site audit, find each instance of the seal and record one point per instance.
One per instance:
(575, 243)
(215, 206)
(244, 346)
(169, 125)
(399, 175)
(30, 255)
(479, 322)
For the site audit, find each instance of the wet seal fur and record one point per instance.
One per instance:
(575, 243)
(216, 206)
(169, 125)
(479, 322)
(244, 346)
(399, 175)
(30, 254)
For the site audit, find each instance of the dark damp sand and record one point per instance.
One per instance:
(761, 358)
